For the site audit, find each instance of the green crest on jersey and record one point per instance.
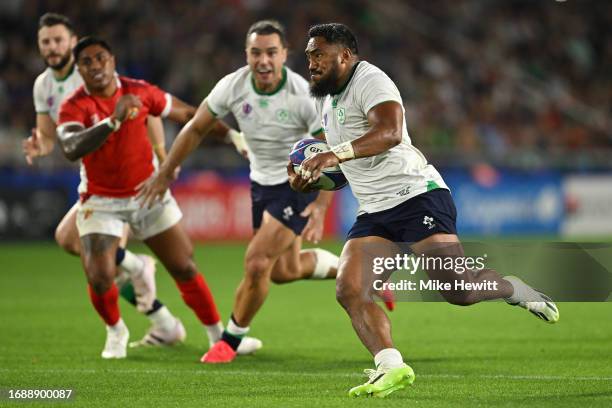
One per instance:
(282, 115)
(60, 89)
(263, 103)
(341, 115)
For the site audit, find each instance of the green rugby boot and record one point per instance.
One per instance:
(383, 382)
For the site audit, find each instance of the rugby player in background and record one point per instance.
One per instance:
(273, 108)
(56, 38)
(103, 123)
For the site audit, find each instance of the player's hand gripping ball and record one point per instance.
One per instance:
(331, 178)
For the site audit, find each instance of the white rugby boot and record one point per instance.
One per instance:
(117, 337)
(530, 299)
(158, 336)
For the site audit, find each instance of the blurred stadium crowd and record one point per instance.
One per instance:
(514, 83)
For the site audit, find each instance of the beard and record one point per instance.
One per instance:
(62, 62)
(326, 85)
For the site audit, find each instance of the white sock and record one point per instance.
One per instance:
(214, 331)
(122, 278)
(235, 330)
(522, 291)
(388, 358)
(324, 263)
(131, 263)
(163, 319)
(117, 327)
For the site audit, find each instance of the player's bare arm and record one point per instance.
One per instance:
(385, 132)
(42, 140)
(155, 131)
(224, 133)
(181, 112)
(186, 142)
(76, 141)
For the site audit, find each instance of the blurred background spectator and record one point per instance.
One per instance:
(516, 83)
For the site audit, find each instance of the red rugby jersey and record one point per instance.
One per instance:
(126, 157)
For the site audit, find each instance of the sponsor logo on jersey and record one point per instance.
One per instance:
(50, 101)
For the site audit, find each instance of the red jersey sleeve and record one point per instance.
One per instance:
(158, 101)
(70, 112)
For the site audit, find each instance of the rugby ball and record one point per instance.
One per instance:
(331, 178)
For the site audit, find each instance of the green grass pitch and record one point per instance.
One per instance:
(485, 355)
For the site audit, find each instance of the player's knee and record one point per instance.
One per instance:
(99, 279)
(349, 293)
(183, 270)
(100, 286)
(256, 268)
(280, 279)
(282, 274)
(66, 241)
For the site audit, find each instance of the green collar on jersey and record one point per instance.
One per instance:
(278, 88)
(65, 76)
(336, 95)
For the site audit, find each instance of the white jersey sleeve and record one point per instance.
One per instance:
(40, 102)
(218, 99)
(376, 88)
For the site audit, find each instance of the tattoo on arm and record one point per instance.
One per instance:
(76, 141)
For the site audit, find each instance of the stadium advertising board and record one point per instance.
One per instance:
(514, 204)
(589, 202)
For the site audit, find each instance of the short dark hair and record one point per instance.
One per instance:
(335, 33)
(88, 41)
(51, 19)
(267, 27)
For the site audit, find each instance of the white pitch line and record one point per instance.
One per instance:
(299, 374)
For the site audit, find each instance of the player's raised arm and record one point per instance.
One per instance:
(186, 142)
(77, 141)
(180, 111)
(220, 130)
(386, 121)
(155, 132)
(42, 140)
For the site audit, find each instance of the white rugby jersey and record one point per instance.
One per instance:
(271, 122)
(386, 180)
(49, 93)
